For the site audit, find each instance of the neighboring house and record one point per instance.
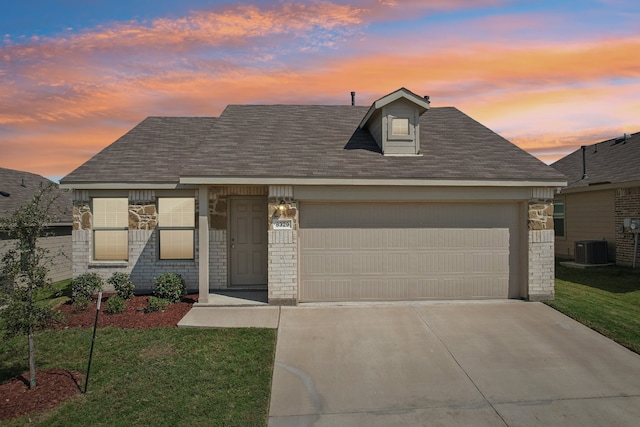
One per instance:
(603, 189)
(21, 187)
(397, 201)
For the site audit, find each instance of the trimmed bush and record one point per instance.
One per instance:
(83, 287)
(170, 286)
(115, 304)
(156, 304)
(123, 285)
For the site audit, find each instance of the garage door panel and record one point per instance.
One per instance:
(426, 251)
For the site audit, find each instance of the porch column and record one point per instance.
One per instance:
(203, 244)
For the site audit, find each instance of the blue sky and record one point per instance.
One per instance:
(75, 75)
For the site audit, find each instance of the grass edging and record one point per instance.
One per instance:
(606, 300)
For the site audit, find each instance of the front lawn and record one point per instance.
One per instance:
(606, 299)
(161, 376)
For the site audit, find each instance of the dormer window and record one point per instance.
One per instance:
(394, 123)
(399, 127)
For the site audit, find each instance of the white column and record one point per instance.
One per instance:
(203, 244)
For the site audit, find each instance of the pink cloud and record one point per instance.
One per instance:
(65, 98)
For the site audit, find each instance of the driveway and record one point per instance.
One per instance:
(508, 363)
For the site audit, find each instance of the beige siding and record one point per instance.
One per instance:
(588, 216)
(59, 255)
(407, 251)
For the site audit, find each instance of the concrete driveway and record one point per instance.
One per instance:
(508, 363)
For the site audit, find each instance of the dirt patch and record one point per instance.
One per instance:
(54, 386)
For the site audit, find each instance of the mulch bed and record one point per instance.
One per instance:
(133, 317)
(54, 386)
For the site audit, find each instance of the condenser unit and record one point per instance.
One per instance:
(591, 252)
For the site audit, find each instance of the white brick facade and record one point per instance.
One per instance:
(143, 264)
(282, 245)
(541, 261)
(283, 266)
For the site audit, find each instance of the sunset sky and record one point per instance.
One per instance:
(77, 74)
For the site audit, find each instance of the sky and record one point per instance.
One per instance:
(75, 75)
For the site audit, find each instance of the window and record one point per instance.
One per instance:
(176, 221)
(110, 235)
(558, 217)
(400, 127)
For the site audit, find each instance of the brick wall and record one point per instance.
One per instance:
(541, 261)
(143, 263)
(283, 267)
(627, 205)
(283, 247)
(218, 276)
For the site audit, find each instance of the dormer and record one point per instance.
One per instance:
(394, 122)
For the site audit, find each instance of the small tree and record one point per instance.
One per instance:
(25, 270)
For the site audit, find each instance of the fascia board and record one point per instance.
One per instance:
(119, 186)
(229, 180)
(600, 187)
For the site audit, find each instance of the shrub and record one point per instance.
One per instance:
(170, 286)
(156, 304)
(115, 304)
(83, 287)
(122, 284)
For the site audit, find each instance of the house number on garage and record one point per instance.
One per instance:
(283, 224)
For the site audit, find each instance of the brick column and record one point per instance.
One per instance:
(283, 248)
(541, 261)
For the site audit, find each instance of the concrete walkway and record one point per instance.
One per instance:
(468, 364)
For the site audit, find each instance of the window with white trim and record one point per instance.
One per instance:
(110, 229)
(176, 223)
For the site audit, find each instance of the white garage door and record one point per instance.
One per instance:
(408, 251)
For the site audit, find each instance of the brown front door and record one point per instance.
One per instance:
(248, 241)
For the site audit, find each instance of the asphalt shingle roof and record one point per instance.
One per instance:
(611, 161)
(22, 186)
(154, 151)
(325, 141)
(300, 141)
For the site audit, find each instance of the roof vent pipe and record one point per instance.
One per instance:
(584, 161)
(353, 98)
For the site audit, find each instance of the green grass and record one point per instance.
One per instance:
(605, 299)
(57, 294)
(162, 376)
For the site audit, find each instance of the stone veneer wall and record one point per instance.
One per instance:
(627, 205)
(541, 261)
(283, 248)
(143, 264)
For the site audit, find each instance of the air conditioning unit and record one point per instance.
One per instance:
(591, 252)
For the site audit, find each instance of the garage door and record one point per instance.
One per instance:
(408, 251)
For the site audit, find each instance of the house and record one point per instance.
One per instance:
(603, 190)
(396, 201)
(18, 188)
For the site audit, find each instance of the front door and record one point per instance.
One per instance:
(248, 241)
